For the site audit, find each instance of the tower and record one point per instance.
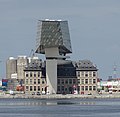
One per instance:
(22, 61)
(53, 40)
(11, 67)
(115, 71)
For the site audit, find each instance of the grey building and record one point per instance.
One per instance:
(22, 62)
(11, 67)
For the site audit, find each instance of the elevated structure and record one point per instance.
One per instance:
(53, 40)
(53, 34)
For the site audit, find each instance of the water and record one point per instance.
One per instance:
(60, 108)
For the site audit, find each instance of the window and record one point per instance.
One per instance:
(34, 74)
(74, 81)
(94, 88)
(90, 81)
(94, 74)
(38, 74)
(78, 81)
(62, 81)
(90, 88)
(82, 88)
(30, 74)
(70, 81)
(26, 74)
(34, 88)
(86, 74)
(62, 88)
(38, 81)
(65, 89)
(26, 81)
(82, 81)
(43, 81)
(30, 88)
(26, 88)
(82, 74)
(58, 81)
(86, 88)
(34, 81)
(66, 81)
(38, 88)
(90, 74)
(78, 73)
(94, 81)
(30, 81)
(86, 81)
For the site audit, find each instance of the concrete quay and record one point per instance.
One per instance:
(60, 96)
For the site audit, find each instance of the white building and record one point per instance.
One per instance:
(111, 85)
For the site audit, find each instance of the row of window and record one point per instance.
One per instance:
(86, 74)
(35, 81)
(33, 74)
(63, 88)
(66, 81)
(87, 88)
(87, 81)
(74, 81)
(79, 74)
(82, 88)
(34, 88)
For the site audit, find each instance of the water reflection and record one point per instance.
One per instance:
(87, 103)
(44, 102)
(59, 108)
(28, 103)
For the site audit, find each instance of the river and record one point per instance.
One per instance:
(60, 108)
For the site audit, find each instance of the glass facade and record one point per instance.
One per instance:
(53, 34)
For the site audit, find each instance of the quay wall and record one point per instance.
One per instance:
(59, 96)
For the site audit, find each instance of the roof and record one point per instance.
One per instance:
(85, 65)
(34, 66)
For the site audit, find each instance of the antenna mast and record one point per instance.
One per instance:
(115, 71)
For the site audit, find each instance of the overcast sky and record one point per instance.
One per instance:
(94, 27)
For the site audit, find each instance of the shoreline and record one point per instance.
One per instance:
(60, 96)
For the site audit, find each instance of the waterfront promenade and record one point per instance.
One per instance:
(60, 96)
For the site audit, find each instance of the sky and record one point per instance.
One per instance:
(94, 27)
